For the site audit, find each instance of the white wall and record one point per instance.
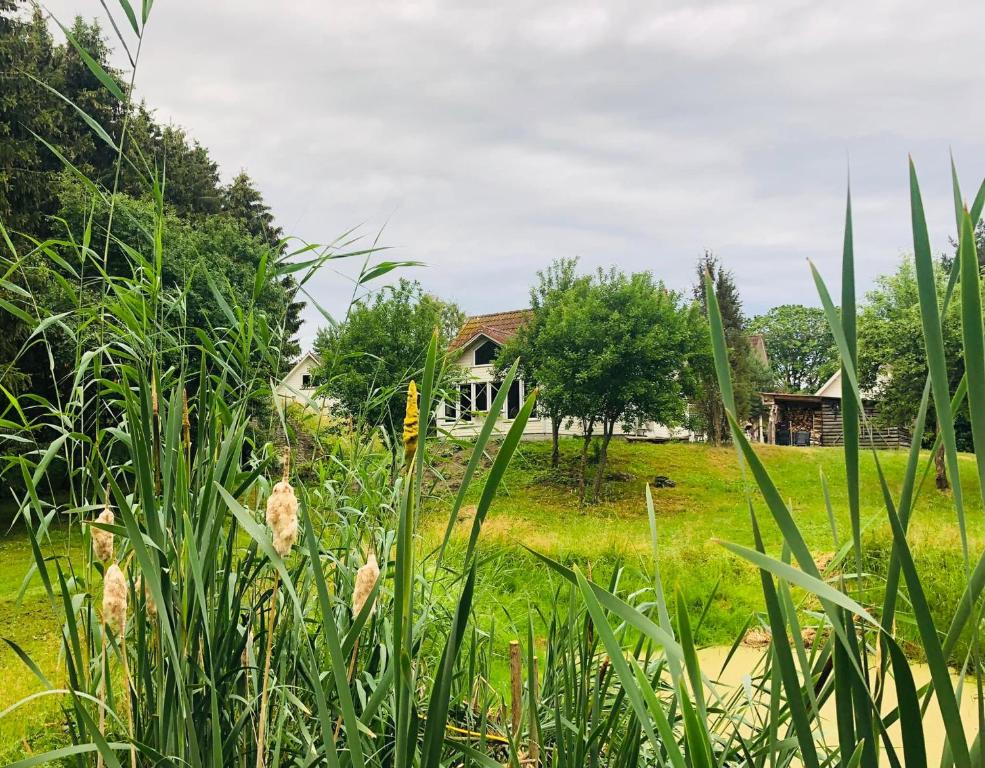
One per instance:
(296, 386)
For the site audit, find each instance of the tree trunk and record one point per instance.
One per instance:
(555, 435)
(586, 439)
(941, 467)
(607, 429)
(714, 426)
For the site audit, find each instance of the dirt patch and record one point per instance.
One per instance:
(757, 638)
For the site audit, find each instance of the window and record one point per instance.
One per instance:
(513, 400)
(481, 397)
(306, 381)
(451, 410)
(465, 402)
(486, 353)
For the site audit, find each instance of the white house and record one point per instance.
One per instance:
(474, 350)
(297, 386)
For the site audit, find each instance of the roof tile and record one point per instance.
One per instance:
(498, 326)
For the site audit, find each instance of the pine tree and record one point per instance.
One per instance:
(242, 201)
(748, 374)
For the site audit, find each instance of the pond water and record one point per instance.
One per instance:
(745, 660)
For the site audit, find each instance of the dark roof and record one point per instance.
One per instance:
(499, 326)
(792, 397)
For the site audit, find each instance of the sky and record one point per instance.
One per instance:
(487, 139)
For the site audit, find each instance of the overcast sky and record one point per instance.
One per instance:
(487, 139)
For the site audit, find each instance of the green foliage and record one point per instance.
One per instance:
(62, 128)
(246, 639)
(368, 358)
(892, 352)
(605, 349)
(531, 348)
(799, 345)
(749, 376)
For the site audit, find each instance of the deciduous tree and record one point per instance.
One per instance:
(368, 357)
(799, 344)
(618, 349)
(892, 358)
(532, 350)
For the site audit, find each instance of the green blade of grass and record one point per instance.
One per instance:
(934, 346)
(784, 658)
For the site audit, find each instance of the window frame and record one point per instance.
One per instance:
(486, 343)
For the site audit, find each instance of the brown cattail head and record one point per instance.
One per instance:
(149, 604)
(411, 424)
(186, 422)
(102, 541)
(366, 578)
(115, 599)
(282, 517)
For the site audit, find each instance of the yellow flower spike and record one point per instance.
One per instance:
(411, 425)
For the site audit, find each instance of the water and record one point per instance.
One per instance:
(745, 660)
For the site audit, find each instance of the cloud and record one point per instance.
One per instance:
(489, 139)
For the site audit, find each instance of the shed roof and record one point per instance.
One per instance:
(498, 326)
(790, 397)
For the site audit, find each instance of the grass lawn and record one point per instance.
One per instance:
(34, 625)
(537, 507)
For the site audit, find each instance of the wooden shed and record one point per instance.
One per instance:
(803, 420)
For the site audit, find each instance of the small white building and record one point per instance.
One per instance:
(298, 385)
(474, 350)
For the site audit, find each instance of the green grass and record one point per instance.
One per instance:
(538, 507)
(33, 624)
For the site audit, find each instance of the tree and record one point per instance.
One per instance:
(213, 247)
(530, 348)
(892, 359)
(33, 192)
(618, 348)
(242, 201)
(368, 357)
(26, 109)
(801, 349)
(749, 376)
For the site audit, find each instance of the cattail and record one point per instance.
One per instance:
(366, 578)
(282, 517)
(149, 605)
(411, 424)
(115, 599)
(102, 541)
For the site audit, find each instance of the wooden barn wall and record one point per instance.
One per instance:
(832, 434)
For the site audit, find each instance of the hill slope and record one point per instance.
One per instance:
(538, 508)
